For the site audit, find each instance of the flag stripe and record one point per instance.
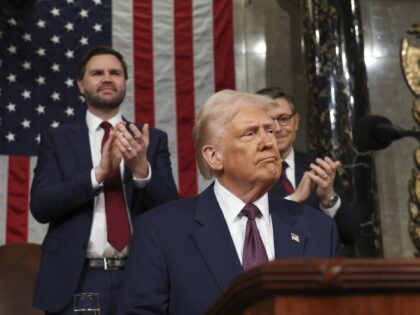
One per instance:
(143, 61)
(17, 199)
(203, 59)
(184, 78)
(36, 230)
(4, 166)
(223, 45)
(122, 40)
(163, 57)
(177, 52)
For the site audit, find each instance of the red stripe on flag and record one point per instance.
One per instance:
(143, 61)
(224, 65)
(184, 80)
(17, 199)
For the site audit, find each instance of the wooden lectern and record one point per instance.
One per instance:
(325, 287)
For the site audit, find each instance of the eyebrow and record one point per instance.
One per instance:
(280, 115)
(266, 125)
(102, 70)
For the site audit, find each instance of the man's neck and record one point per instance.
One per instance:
(104, 114)
(285, 154)
(247, 192)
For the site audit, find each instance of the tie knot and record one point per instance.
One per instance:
(106, 126)
(251, 211)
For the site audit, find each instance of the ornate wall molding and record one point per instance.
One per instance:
(410, 62)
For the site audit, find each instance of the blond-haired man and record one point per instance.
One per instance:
(185, 253)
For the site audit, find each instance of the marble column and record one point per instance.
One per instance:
(337, 97)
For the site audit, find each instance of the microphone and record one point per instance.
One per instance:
(377, 132)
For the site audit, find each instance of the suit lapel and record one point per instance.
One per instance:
(289, 242)
(279, 189)
(214, 241)
(300, 167)
(78, 137)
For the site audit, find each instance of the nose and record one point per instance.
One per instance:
(267, 140)
(106, 77)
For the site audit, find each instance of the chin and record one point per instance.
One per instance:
(273, 173)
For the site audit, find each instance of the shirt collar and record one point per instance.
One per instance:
(93, 121)
(290, 159)
(231, 205)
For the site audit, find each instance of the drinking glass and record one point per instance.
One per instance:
(86, 304)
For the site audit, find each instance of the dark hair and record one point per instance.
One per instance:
(96, 51)
(276, 92)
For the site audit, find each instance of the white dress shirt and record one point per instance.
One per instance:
(98, 245)
(290, 173)
(232, 206)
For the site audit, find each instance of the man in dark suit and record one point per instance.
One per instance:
(313, 180)
(92, 179)
(186, 252)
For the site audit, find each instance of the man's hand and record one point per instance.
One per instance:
(110, 158)
(323, 173)
(303, 190)
(133, 146)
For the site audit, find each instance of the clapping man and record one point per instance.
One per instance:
(92, 179)
(305, 179)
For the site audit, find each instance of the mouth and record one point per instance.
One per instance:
(106, 89)
(282, 137)
(269, 159)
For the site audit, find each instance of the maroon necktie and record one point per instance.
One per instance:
(254, 251)
(117, 223)
(284, 180)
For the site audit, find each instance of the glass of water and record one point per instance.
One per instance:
(86, 304)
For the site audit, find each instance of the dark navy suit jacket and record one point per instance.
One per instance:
(62, 196)
(346, 218)
(182, 255)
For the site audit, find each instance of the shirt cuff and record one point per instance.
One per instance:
(333, 210)
(142, 182)
(95, 184)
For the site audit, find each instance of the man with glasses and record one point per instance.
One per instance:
(305, 179)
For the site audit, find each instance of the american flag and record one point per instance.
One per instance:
(178, 52)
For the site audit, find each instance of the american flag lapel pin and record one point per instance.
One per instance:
(295, 237)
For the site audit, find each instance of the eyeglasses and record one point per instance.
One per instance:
(283, 120)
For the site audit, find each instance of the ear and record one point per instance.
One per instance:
(80, 85)
(212, 157)
(297, 121)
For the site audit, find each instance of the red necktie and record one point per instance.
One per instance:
(117, 223)
(254, 252)
(284, 180)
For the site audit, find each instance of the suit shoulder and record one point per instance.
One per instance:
(296, 209)
(158, 132)
(170, 211)
(63, 129)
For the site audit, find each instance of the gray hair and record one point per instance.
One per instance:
(215, 115)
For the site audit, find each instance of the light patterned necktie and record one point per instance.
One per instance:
(118, 227)
(254, 251)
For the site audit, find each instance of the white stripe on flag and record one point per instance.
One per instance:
(203, 59)
(122, 40)
(36, 230)
(164, 76)
(4, 166)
